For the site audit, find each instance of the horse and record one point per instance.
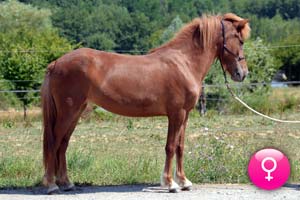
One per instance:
(164, 82)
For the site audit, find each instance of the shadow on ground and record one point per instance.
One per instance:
(84, 189)
(81, 189)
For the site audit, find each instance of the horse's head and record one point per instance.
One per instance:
(231, 54)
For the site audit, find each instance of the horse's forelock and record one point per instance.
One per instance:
(245, 31)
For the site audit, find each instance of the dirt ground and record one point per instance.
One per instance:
(146, 192)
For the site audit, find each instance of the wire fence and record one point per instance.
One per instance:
(206, 86)
(220, 85)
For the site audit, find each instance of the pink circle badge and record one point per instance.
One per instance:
(269, 169)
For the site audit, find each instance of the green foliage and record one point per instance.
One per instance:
(94, 26)
(17, 15)
(104, 26)
(82, 21)
(260, 62)
(264, 27)
(28, 43)
(134, 35)
(6, 99)
(130, 125)
(288, 9)
(290, 57)
(174, 27)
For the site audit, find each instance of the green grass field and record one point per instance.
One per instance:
(111, 150)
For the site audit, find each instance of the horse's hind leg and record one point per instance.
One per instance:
(69, 107)
(61, 169)
(60, 129)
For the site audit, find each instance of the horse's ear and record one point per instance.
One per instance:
(240, 25)
(231, 17)
(243, 27)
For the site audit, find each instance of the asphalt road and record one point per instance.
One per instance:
(144, 192)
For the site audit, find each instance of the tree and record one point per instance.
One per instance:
(265, 28)
(28, 43)
(99, 26)
(173, 28)
(135, 34)
(290, 57)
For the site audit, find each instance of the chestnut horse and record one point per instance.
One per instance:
(164, 82)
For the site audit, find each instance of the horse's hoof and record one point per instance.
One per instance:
(53, 190)
(69, 187)
(186, 184)
(187, 188)
(173, 190)
(174, 187)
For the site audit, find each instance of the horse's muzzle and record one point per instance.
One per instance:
(239, 74)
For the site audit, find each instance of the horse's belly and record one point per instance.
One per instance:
(129, 106)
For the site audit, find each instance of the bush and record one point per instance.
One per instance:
(28, 42)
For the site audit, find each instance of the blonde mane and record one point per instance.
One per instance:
(206, 28)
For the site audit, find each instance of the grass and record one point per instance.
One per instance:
(279, 100)
(110, 149)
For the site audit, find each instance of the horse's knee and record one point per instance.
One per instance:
(180, 149)
(170, 149)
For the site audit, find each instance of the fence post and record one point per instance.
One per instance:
(202, 101)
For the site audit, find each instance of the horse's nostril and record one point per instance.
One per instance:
(243, 78)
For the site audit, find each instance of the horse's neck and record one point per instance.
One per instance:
(199, 61)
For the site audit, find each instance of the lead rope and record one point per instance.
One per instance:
(246, 105)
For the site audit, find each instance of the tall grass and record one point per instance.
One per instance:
(278, 101)
(20, 171)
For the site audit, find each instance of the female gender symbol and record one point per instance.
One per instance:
(269, 177)
(268, 161)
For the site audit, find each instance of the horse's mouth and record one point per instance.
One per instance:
(239, 75)
(238, 78)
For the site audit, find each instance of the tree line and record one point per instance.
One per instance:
(35, 32)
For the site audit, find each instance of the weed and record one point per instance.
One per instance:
(8, 123)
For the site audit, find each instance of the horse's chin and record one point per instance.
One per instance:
(237, 78)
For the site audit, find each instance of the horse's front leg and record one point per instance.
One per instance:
(179, 174)
(176, 124)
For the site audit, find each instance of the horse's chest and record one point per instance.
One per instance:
(191, 99)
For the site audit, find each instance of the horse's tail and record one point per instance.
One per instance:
(49, 115)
